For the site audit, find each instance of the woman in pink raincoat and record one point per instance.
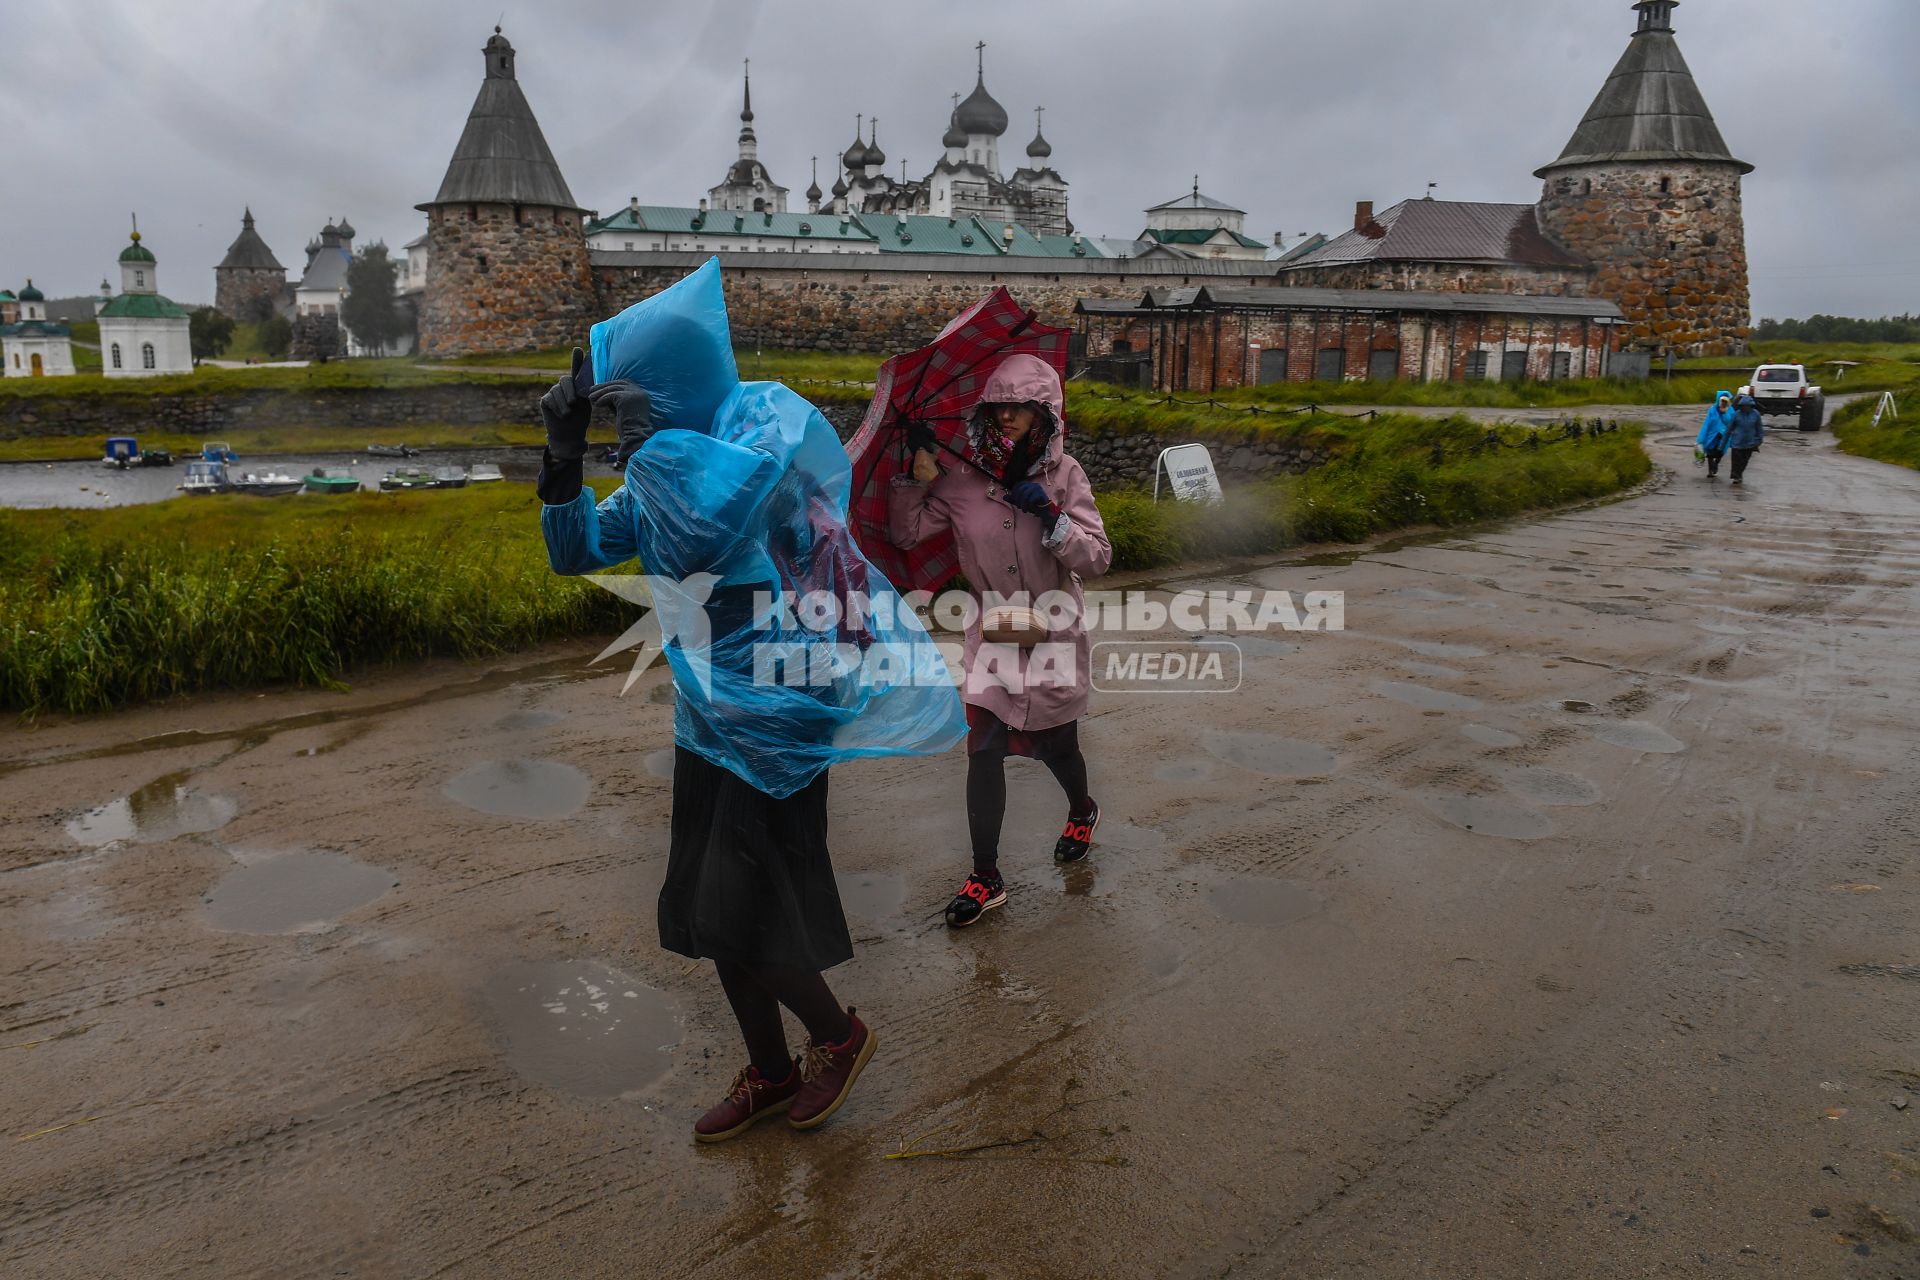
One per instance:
(1025, 523)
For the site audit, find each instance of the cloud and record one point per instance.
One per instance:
(309, 111)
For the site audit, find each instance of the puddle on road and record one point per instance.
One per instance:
(521, 788)
(1418, 695)
(1271, 754)
(163, 809)
(582, 1027)
(662, 694)
(1550, 786)
(1578, 707)
(659, 763)
(1432, 670)
(1636, 735)
(1251, 900)
(871, 895)
(293, 892)
(1486, 817)
(1488, 736)
(1184, 771)
(518, 720)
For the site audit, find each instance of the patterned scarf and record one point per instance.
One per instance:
(989, 446)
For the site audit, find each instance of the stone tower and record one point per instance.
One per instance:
(507, 265)
(1648, 191)
(249, 283)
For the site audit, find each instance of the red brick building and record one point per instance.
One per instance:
(1211, 338)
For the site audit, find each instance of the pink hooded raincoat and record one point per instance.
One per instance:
(1006, 551)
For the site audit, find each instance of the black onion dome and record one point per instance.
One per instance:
(1039, 148)
(874, 154)
(955, 136)
(979, 113)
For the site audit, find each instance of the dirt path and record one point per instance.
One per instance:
(1556, 919)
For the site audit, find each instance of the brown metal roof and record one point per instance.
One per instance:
(1446, 231)
(1287, 298)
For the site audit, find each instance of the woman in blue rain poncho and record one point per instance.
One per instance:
(789, 652)
(1712, 440)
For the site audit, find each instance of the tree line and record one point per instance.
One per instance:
(1822, 328)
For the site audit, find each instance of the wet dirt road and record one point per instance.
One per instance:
(1556, 919)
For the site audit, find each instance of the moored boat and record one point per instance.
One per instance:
(449, 478)
(125, 451)
(483, 473)
(266, 484)
(205, 477)
(218, 451)
(332, 480)
(407, 478)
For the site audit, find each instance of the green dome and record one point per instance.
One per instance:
(136, 252)
(31, 294)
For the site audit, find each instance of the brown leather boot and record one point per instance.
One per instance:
(827, 1073)
(748, 1099)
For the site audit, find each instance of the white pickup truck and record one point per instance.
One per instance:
(1783, 388)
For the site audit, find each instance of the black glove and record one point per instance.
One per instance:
(920, 436)
(566, 411)
(632, 410)
(1030, 497)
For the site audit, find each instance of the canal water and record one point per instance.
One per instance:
(94, 484)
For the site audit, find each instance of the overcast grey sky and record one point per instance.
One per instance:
(312, 109)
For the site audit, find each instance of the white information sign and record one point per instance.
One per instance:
(1189, 469)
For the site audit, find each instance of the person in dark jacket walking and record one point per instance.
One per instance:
(1749, 429)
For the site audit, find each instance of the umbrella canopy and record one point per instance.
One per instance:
(939, 384)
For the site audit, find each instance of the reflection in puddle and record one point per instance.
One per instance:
(521, 788)
(582, 1027)
(871, 895)
(1491, 818)
(294, 892)
(1550, 786)
(1270, 753)
(659, 763)
(661, 695)
(1418, 695)
(1488, 736)
(1636, 735)
(349, 735)
(161, 810)
(1251, 900)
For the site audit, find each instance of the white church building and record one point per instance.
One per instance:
(33, 346)
(142, 334)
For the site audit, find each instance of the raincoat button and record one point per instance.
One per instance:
(1006, 524)
(1013, 569)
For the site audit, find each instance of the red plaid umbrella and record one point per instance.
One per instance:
(940, 385)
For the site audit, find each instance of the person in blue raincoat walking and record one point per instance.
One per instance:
(1746, 434)
(1712, 440)
(790, 653)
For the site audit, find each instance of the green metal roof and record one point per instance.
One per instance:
(141, 306)
(136, 252)
(34, 329)
(31, 294)
(1200, 235)
(729, 222)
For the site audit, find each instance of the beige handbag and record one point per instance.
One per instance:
(1014, 624)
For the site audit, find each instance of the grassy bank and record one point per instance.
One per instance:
(208, 380)
(102, 608)
(1895, 440)
(255, 443)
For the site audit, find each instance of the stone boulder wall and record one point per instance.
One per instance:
(135, 413)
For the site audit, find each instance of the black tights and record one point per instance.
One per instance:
(756, 993)
(987, 797)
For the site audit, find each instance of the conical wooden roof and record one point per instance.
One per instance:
(502, 157)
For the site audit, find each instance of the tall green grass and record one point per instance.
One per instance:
(402, 371)
(99, 609)
(1895, 440)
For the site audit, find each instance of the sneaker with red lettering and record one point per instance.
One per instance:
(1077, 838)
(749, 1099)
(983, 891)
(827, 1073)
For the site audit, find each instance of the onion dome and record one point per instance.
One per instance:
(813, 188)
(874, 154)
(839, 186)
(855, 158)
(1039, 148)
(980, 113)
(136, 252)
(955, 137)
(31, 294)
(345, 229)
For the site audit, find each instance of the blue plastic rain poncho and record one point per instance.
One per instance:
(790, 652)
(1748, 428)
(1713, 432)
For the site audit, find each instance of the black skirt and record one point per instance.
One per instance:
(749, 879)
